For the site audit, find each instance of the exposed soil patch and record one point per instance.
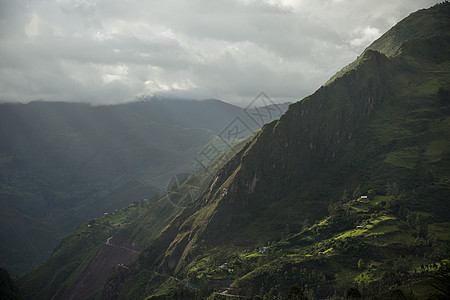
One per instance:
(116, 250)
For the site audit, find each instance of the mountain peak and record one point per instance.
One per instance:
(425, 23)
(277, 219)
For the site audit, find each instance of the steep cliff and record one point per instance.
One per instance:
(380, 121)
(279, 218)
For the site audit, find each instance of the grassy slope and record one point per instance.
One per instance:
(363, 256)
(37, 246)
(424, 23)
(381, 122)
(62, 164)
(405, 141)
(66, 163)
(141, 222)
(384, 121)
(63, 269)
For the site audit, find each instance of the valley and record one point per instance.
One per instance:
(346, 195)
(62, 164)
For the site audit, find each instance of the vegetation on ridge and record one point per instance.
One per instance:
(346, 195)
(62, 164)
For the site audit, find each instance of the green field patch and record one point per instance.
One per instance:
(419, 290)
(351, 233)
(384, 229)
(436, 148)
(253, 255)
(324, 222)
(394, 238)
(328, 250)
(344, 276)
(364, 277)
(383, 219)
(440, 230)
(429, 86)
(406, 158)
(379, 199)
(379, 226)
(361, 205)
(121, 217)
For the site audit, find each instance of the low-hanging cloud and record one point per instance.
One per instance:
(114, 51)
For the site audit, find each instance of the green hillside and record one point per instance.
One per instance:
(82, 261)
(62, 164)
(24, 241)
(345, 196)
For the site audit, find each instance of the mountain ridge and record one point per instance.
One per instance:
(277, 219)
(65, 163)
(434, 23)
(322, 143)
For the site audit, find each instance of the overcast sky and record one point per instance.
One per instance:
(112, 51)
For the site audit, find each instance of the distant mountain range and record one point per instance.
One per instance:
(346, 195)
(62, 164)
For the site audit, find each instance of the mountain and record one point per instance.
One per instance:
(62, 164)
(8, 289)
(80, 265)
(25, 241)
(345, 195)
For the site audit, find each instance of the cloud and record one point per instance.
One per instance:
(365, 36)
(104, 51)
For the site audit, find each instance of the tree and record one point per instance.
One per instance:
(297, 292)
(345, 197)
(360, 263)
(357, 192)
(285, 232)
(444, 95)
(306, 223)
(353, 293)
(392, 189)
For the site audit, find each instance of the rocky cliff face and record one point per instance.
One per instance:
(295, 166)
(381, 120)
(302, 143)
(286, 154)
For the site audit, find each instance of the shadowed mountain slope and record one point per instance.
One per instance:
(278, 219)
(62, 164)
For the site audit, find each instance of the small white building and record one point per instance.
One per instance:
(363, 197)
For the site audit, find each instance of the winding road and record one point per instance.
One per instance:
(108, 242)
